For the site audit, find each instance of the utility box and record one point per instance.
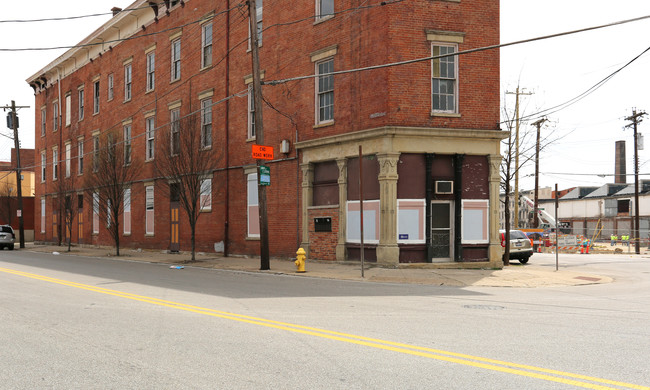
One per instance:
(323, 224)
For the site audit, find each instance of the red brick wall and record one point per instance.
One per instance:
(401, 95)
(323, 244)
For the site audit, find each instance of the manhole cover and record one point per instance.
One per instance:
(484, 307)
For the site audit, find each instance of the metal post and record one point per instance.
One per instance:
(557, 217)
(361, 206)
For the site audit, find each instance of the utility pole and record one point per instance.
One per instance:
(259, 137)
(636, 118)
(19, 184)
(537, 123)
(517, 93)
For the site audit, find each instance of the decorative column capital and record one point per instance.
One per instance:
(388, 165)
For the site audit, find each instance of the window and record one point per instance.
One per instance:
(95, 212)
(43, 215)
(206, 195)
(96, 97)
(55, 108)
(253, 210)
(110, 87)
(68, 109)
(81, 104)
(324, 8)
(55, 163)
(109, 213)
(150, 131)
(251, 112)
(206, 123)
(127, 82)
(206, 45)
(325, 91)
(176, 59)
(43, 121)
(80, 156)
(259, 8)
(443, 79)
(127, 144)
(95, 153)
(175, 131)
(127, 211)
(475, 223)
(68, 158)
(151, 66)
(411, 221)
(43, 165)
(149, 213)
(371, 217)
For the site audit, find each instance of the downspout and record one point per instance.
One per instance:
(227, 123)
(429, 186)
(458, 208)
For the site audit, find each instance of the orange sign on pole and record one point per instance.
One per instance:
(262, 152)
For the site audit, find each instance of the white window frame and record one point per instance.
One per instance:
(55, 108)
(109, 213)
(206, 123)
(43, 121)
(55, 163)
(95, 212)
(149, 210)
(475, 214)
(126, 132)
(150, 133)
(81, 103)
(442, 74)
(151, 71)
(68, 158)
(371, 221)
(251, 112)
(128, 82)
(175, 131)
(68, 109)
(43, 165)
(205, 198)
(42, 215)
(111, 90)
(320, 120)
(176, 59)
(259, 5)
(411, 215)
(252, 206)
(206, 45)
(80, 156)
(126, 217)
(319, 10)
(96, 97)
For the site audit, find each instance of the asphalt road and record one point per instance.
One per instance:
(74, 322)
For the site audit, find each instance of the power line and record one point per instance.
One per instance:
(64, 18)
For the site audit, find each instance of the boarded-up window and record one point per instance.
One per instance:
(127, 211)
(149, 211)
(253, 206)
(370, 222)
(370, 178)
(326, 188)
(475, 226)
(411, 215)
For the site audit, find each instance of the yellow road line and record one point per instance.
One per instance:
(452, 357)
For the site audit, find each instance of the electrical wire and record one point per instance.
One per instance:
(64, 18)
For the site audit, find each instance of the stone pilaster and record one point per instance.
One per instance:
(387, 250)
(343, 213)
(307, 197)
(494, 177)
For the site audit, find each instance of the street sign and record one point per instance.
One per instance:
(262, 152)
(265, 175)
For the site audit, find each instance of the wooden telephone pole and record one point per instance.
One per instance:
(537, 123)
(12, 121)
(259, 136)
(636, 118)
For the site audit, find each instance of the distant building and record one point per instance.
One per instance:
(9, 192)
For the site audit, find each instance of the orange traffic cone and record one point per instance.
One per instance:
(582, 249)
(587, 249)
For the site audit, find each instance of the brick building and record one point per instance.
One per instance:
(429, 129)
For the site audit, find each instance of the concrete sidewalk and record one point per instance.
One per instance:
(516, 275)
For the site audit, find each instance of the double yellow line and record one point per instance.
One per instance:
(451, 357)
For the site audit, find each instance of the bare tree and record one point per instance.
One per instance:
(65, 191)
(509, 169)
(113, 170)
(186, 158)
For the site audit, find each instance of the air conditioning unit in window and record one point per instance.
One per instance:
(444, 187)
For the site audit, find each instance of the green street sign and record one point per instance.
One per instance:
(265, 175)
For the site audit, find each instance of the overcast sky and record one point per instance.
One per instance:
(554, 71)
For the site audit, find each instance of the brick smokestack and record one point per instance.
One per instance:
(619, 164)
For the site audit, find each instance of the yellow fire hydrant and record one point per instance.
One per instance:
(300, 260)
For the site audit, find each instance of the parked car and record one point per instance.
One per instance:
(7, 237)
(520, 246)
